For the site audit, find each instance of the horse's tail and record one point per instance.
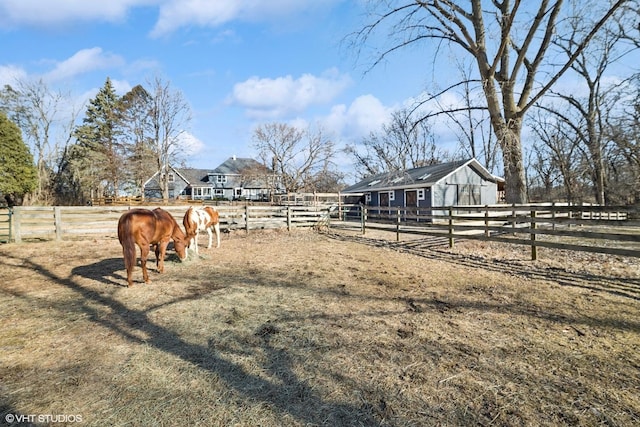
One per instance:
(128, 242)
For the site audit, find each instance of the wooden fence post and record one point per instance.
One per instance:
(486, 221)
(534, 248)
(10, 223)
(57, 219)
(17, 221)
(451, 227)
(246, 218)
(398, 225)
(289, 218)
(363, 217)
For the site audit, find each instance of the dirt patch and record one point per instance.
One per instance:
(319, 329)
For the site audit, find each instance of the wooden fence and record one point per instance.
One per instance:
(67, 222)
(5, 225)
(593, 228)
(610, 230)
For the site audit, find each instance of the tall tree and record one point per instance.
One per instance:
(297, 156)
(18, 175)
(99, 138)
(587, 112)
(511, 45)
(46, 118)
(136, 112)
(169, 118)
(557, 156)
(624, 131)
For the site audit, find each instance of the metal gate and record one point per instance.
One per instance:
(5, 225)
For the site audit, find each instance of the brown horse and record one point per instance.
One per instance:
(144, 227)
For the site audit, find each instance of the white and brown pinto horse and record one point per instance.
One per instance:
(201, 219)
(144, 227)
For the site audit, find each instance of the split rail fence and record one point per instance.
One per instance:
(68, 222)
(592, 228)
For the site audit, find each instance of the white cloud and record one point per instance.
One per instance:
(172, 14)
(175, 14)
(190, 145)
(366, 114)
(57, 12)
(270, 98)
(10, 75)
(82, 62)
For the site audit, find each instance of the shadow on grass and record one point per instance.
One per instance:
(131, 324)
(110, 271)
(433, 248)
(104, 271)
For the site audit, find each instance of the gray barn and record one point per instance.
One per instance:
(464, 182)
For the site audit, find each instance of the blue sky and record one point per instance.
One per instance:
(239, 63)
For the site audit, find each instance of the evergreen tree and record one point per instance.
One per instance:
(18, 174)
(99, 156)
(136, 107)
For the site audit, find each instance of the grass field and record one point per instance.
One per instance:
(304, 328)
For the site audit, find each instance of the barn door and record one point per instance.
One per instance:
(468, 194)
(411, 203)
(384, 202)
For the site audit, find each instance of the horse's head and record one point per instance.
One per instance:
(180, 245)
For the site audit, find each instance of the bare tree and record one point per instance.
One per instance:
(398, 146)
(296, 156)
(46, 118)
(170, 115)
(511, 44)
(136, 109)
(557, 156)
(587, 114)
(474, 137)
(624, 163)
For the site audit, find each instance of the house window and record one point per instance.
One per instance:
(221, 179)
(171, 177)
(201, 192)
(219, 192)
(421, 194)
(367, 198)
(392, 196)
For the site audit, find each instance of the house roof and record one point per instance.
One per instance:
(194, 176)
(231, 166)
(425, 176)
(237, 165)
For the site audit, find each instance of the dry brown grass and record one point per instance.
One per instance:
(310, 329)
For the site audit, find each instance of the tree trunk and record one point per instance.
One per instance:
(515, 181)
